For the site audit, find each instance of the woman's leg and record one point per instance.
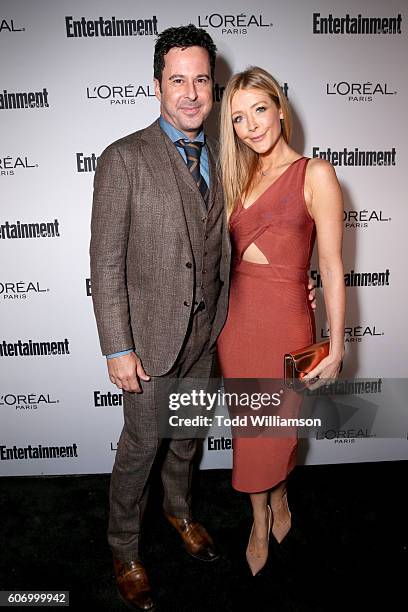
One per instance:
(280, 510)
(257, 550)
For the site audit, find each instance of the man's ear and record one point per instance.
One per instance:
(157, 91)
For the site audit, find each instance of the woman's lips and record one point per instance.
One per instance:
(257, 138)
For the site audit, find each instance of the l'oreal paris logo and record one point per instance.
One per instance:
(238, 24)
(359, 92)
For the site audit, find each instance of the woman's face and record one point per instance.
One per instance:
(256, 119)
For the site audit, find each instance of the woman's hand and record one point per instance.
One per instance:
(324, 373)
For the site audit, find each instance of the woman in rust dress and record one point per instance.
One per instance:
(277, 203)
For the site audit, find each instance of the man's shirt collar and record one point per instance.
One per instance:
(174, 134)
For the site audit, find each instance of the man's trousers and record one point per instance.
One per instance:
(139, 443)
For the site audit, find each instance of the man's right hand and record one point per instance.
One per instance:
(125, 372)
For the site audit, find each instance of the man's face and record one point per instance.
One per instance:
(186, 95)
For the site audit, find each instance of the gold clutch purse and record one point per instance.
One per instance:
(303, 361)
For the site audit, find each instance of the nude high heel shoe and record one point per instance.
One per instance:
(257, 562)
(281, 530)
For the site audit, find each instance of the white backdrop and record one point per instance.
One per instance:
(348, 91)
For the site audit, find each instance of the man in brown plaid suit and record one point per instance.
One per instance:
(160, 258)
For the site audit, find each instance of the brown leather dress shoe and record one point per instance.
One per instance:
(133, 584)
(197, 542)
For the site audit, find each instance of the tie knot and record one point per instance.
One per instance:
(192, 148)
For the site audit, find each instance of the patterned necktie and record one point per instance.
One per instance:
(193, 152)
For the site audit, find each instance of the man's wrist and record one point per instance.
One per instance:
(120, 353)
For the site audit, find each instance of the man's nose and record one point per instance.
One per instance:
(191, 92)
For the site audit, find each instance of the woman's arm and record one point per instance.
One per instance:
(326, 208)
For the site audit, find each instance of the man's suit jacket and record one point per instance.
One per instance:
(139, 249)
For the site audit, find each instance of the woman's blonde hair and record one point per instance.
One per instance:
(238, 162)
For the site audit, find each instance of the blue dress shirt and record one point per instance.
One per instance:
(175, 134)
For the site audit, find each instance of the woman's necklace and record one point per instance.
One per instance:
(265, 173)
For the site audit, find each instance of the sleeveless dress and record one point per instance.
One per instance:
(269, 314)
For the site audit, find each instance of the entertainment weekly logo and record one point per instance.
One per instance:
(14, 164)
(362, 219)
(357, 333)
(27, 401)
(8, 25)
(111, 27)
(120, 94)
(23, 100)
(86, 163)
(356, 25)
(354, 157)
(219, 444)
(34, 229)
(107, 399)
(233, 24)
(367, 91)
(20, 290)
(349, 387)
(15, 453)
(34, 348)
(359, 279)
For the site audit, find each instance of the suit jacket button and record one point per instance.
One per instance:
(186, 303)
(189, 264)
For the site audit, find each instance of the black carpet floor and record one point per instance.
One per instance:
(347, 548)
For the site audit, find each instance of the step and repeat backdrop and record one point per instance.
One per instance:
(77, 75)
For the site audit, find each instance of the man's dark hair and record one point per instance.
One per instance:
(183, 36)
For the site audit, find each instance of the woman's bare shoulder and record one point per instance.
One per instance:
(320, 168)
